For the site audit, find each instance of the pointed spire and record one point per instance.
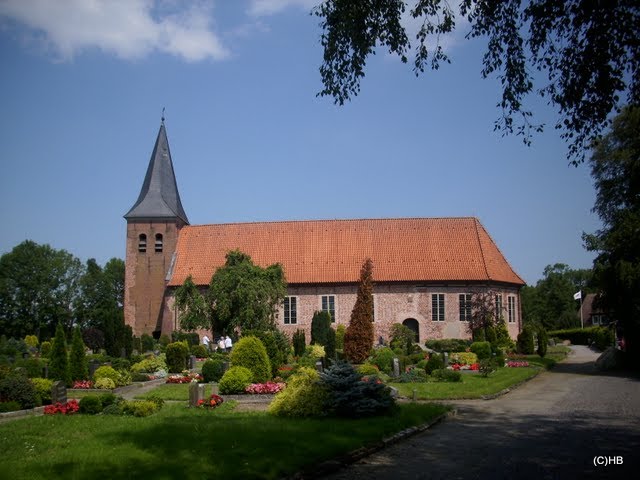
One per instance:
(159, 197)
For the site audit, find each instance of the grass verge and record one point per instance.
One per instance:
(172, 391)
(187, 443)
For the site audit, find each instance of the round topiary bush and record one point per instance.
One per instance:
(368, 369)
(481, 349)
(251, 353)
(43, 389)
(435, 362)
(383, 359)
(106, 372)
(91, 405)
(104, 384)
(199, 351)
(18, 389)
(235, 380)
(304, 396)
(212, 370)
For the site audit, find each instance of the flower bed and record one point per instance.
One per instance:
(517, 364)
(68, 408)
(83, 384)
(457, 367)
(185, 377)
(265, 388)
(212, 402)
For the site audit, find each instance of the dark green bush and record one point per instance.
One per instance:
(603, 337)
(19, 389)
(351, 396)
(165, 340)
(11, 406)
(177, 354)
(276, 344)
(157, 399)
(490, 335)
(108, 398)
(250, 352)
(543, 341)
(235, 380)
(148, 343)
(33, 366)
(120, 363)
(91, 405)
(448, 345)
(479, 335)
(58, 361)
(481, 349)
(525, 344)
(192, 338)
(299, 343)
(116, 408)
(498, 358)
(78, 365)
(212, 370)
(435, 362)
(139, 408)
(446, 375)
(200, 351)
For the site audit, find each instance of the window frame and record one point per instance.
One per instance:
(142, 243)
(511, 308)
(438, 303)
(287, 310)
(328, 309)
(159, 243)
(464, 303)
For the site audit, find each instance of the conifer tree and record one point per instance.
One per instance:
(358, 339)
(58, 362)
(78, 366)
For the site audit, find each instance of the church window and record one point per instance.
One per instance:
(142, 243)
(437, 307)
(290, 310)
(465, 307)
(329, 305)
(499, 309)
(158, 242)
(511, 308)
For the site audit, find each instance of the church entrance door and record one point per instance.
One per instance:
(412, 323)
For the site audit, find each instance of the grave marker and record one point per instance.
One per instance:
(396, 367)
(196, 393)
(58, 392)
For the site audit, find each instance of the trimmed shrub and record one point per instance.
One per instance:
(235, 380)
(383, 359)
(320, 325)
(78, 366)
(200, 351)
(368, 369)
(448, 345)
(91, 405)
(157, 399)
(490, 335)
(341, 330)
(45, 349)
(120, 363)
(33, 366)
(603, 337)
(481, 349)
(413, 375)
(299, 343)
(358, 338)
(104, 384)
(304, 396)
(402, 338)
(250, 352)
(58, 362)
(277, 345)
(148, 343)
(498, 358)
(139, 408)
(525, 344)
(445, 375)
(351, 396)
(502, 335)
(176, 356)
(435, 362)
(165, 340)
(11, 406)
(543, 341)
(18, 389)
(149, 364)
(108, 398)
(465, 358)
(31, 341)
(43, 389)
(114, 409)
(212, 370)
(106, 371)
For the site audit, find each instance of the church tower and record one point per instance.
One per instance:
(153, 224)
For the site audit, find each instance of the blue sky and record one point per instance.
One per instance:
(83, 85)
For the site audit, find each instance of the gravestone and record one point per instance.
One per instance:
(196, 393)
(396, 367)
(58, 392)
(93, 366)
(445, 355)
(45, 371)
(215, 390)
(192, 362)
(319, 366)
(123, 353)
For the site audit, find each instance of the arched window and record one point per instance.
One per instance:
(158, 242)
(142, 243)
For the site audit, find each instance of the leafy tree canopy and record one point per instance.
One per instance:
(588, 51)
(615, 167)
(192, 308)
(38, 287)
(245, 295)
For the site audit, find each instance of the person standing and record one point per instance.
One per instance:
(221, 344)
(228, 344)
(206, 341)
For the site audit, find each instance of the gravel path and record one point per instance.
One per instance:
(552, 427)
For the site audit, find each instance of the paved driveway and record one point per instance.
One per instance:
(551, 427)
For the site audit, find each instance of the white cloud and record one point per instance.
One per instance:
(259, 8)
(448, 42)
(128, 28)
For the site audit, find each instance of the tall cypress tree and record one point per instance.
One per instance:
(358, 339)
(58, 362)
(78, 366)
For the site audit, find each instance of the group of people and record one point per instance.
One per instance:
(223, 344)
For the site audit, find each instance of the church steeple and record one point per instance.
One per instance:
(159, 197)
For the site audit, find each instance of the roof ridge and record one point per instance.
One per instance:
(331, 220)
(484, 259)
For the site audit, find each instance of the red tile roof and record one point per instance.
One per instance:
(332, 251)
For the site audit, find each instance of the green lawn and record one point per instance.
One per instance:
(187, 443)
(473, 385)
(172, 391)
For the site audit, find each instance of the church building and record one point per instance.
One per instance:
(424, 269)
